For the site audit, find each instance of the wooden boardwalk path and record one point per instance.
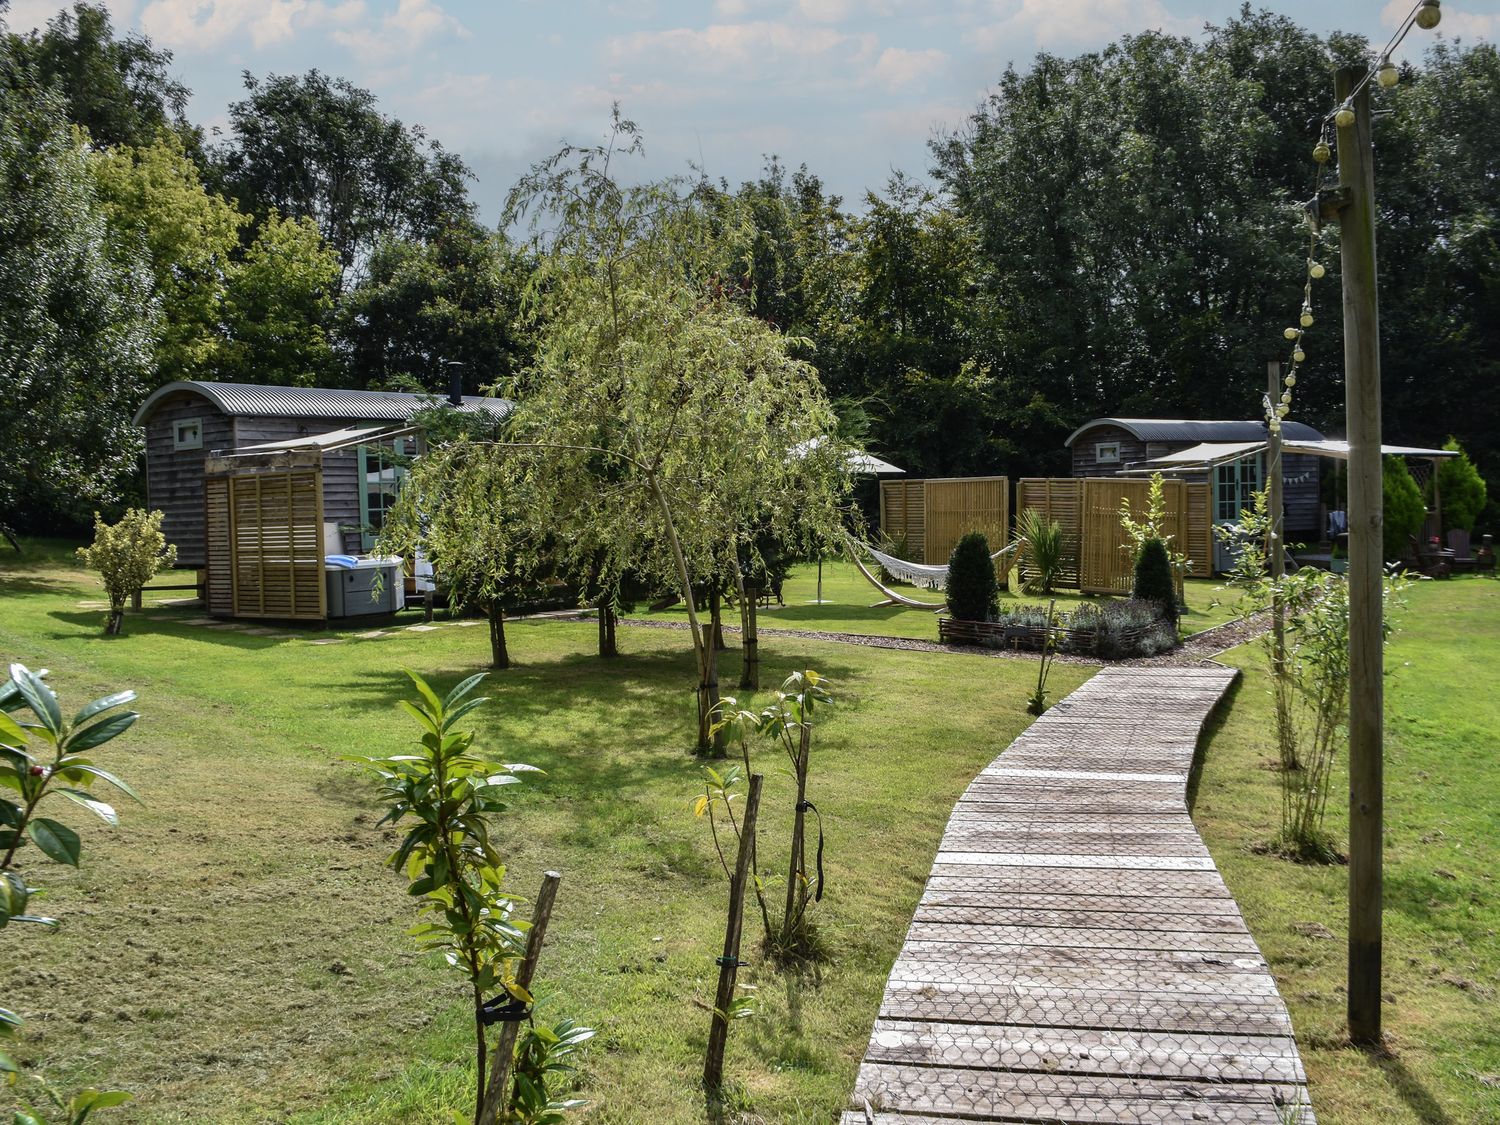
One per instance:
(1076, 956)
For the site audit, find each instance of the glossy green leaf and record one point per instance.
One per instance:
(101, 732)
(57, 841)
(103, 811)
(39, 697)
(102, 775)
(104, 703)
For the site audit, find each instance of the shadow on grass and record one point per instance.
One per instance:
(19, 584)
(155, 623)
(1211, 728)
(1419, 1098)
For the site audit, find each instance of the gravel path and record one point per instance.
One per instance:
(1200, 648)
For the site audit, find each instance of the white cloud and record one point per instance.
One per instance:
(208, 24)
(413, 25)
(1057, 24)
(747, 48)
(898, 66)
(1456, 22)
(826, 11)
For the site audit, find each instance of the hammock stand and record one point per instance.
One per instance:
(892, 597)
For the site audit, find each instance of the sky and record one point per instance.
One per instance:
(854, 89)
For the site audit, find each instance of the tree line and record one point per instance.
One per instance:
(1114, 233)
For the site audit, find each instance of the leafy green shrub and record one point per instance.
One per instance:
(1463, 491)
(1404, 510)
(127, 555)
(1153, 577)
(973, 593)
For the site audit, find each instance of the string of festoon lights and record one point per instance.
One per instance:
(1384, 73)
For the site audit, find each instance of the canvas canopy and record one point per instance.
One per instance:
(1205, 456)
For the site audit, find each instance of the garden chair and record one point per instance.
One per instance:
(1431, 561)
(1458, 543)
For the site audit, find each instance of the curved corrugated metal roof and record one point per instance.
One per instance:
(1175, 429)
(248, 399)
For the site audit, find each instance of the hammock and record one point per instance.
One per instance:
(918, 574)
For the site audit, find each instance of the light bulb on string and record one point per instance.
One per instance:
(1283, 410)
(1315, 270)
(1291, 333)
(1307, 317)
(1343, 117)
(1387, 75)
(1429, 14)
(1290, 380)
(1286, 398)
(1321, 152)
(1299, 356)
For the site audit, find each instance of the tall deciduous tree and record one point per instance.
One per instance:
(277, 306)
(455, 298)
(646, 364)
(120, 90)
(77, 319)
(318, 147)
(155, 200)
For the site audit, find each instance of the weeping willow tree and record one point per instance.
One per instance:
(662, 426)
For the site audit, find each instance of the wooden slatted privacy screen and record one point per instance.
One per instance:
(927, 518)
(218, 547)
(277, 524)
(264, 544)
(1095, 560)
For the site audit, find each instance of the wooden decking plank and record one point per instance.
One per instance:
(1147, 1054)
(977, 1095)
(1092, 1007)
(1076, 956)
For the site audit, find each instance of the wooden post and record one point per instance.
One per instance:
(1366, 696)
(1275, 536)
(729, 964)
(496, 1089)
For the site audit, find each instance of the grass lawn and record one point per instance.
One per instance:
(848, 599)
(234, 951)
(1442, 862)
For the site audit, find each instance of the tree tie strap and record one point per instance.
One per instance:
(504, 1008)
(808, 806)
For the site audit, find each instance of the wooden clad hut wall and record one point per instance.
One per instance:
(174, 469)
(958, 505)
(1059, 499)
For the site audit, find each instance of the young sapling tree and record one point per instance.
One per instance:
(127, 555)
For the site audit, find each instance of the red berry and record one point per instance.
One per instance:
(38, 771)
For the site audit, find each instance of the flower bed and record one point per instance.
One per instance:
(1109, 630)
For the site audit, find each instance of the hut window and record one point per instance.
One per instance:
(382, 466)
(187, 434)
(1107, 452)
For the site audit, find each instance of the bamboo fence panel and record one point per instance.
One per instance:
(1060, 499)
(925, 519)
(903, 516)
(956, 506)
(1107, 563)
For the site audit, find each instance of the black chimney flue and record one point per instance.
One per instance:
(455, 382)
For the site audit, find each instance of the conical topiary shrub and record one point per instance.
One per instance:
(1153, 577)
(973, 593)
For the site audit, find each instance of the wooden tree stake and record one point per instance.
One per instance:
(496, 1089)
(729, 964)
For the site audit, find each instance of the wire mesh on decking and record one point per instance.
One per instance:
(1076, 956)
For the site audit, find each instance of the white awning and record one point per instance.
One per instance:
(857, 459)
(331, 442)
(1201, 458)
(1340, 449)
